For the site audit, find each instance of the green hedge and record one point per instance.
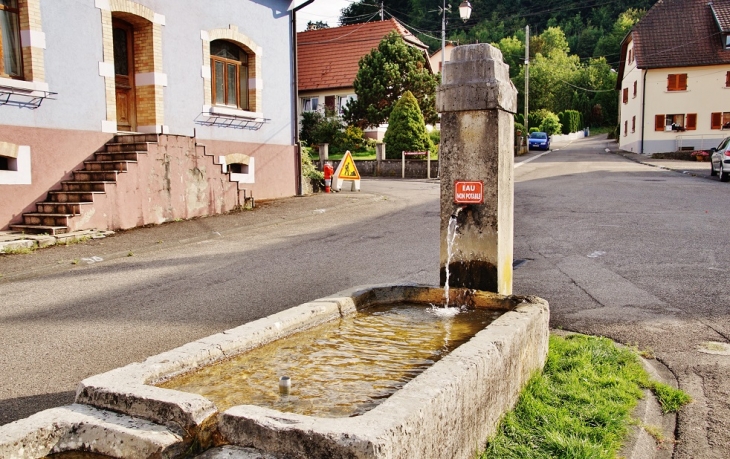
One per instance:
(571, 121)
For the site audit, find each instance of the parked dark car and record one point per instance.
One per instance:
(720, 160)
(539, 140)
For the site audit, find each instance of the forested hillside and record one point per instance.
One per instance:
(574, 45)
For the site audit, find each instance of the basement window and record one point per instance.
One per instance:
(8, 164)
(238, 168)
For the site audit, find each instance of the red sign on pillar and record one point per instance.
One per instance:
(468, 192)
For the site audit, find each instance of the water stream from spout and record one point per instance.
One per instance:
(450, 238)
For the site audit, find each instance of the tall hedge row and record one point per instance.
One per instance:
(571, 121)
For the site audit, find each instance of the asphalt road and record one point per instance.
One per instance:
(619, 249)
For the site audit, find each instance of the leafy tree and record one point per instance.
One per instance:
(513, 53)
(406, 128)
(387, 73)
(610, 43)
(365, 10)
(317, 25)
(551, 73)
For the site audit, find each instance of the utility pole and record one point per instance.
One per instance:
(381, 11)
(527, 76)
(443, 40)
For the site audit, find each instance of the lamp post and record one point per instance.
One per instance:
(464, 14)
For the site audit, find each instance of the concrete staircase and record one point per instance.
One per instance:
(52, 216)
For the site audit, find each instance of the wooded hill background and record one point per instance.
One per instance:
(574, 44)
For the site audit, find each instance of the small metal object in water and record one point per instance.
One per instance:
(284, 385)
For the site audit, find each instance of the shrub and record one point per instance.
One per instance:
(309, 170)
(435, 136)
(534, 129)
(550, 124)
(520, 127)
(351, 139)
(310, 121)
(406, 128)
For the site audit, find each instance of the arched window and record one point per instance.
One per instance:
(229, 66)
(10, 55)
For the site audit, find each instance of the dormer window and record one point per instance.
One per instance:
(726, 39)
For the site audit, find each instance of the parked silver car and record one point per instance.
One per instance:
(720, 160)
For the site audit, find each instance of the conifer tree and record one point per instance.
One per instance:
(406, 128)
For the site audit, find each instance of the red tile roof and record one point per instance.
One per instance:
(681, 33)
(328, 58)
(721, 11)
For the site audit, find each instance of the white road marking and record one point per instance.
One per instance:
(531, 159)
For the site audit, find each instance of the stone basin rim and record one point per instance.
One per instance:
(518, 337)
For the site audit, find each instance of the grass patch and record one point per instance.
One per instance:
(19, 250)
(670, 399)
(76, 240)
(580, 406)
(356, 155)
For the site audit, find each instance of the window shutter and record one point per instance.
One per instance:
(626, 128)
(671, 82)
(682, 83)
(677, 82)
(633, 124)
(659, 123)
(727, 80)
(716, 121)
(626, 95)
(691, 124)
(635, 85)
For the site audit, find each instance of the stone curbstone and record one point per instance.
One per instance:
(84, 428)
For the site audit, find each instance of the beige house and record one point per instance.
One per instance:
(674, 78)
(436, 58)
(328, 63)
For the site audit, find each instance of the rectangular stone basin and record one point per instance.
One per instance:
(449, 410)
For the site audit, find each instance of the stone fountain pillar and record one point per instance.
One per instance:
(477, 101)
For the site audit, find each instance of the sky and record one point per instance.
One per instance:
(321, 10)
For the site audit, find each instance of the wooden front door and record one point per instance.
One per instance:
(124, 75)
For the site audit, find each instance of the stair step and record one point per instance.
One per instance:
(40, 229)
(117, 156)
(84, 186)
(135, 138)
(95, 176)
(120, 166)
(44, 219)
(73, 208)
(125, 147)
(73, 196)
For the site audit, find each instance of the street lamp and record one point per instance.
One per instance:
(465, 10)
(464, 14)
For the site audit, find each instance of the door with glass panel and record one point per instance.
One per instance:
(124, 75)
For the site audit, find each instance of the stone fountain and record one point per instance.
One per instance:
(448, 410)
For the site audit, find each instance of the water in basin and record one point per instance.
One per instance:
(342, 368)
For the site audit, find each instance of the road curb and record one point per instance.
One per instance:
(13, 241)
(632, 157)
